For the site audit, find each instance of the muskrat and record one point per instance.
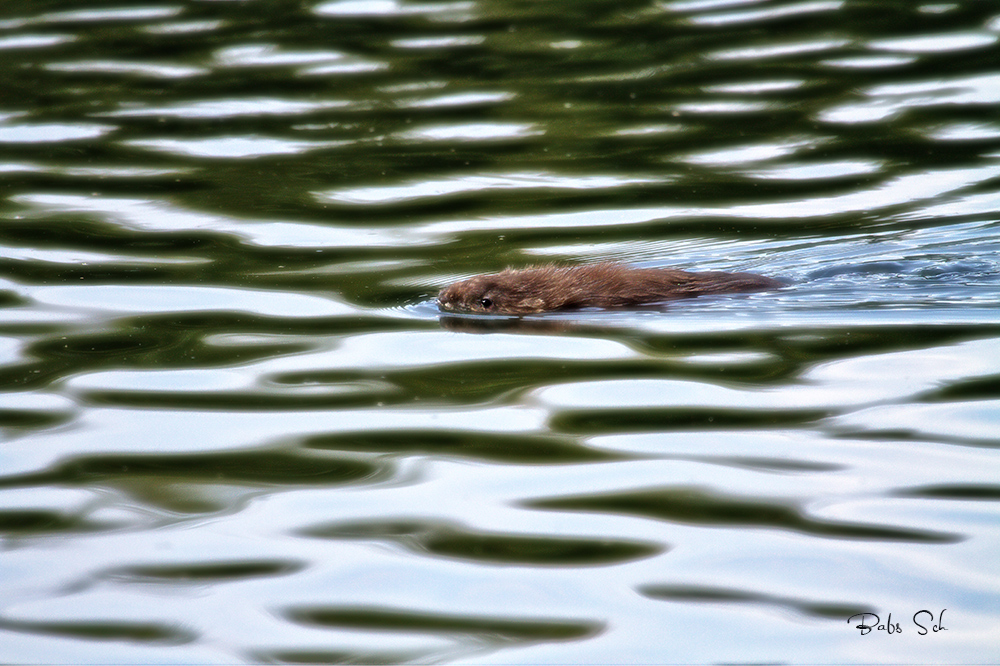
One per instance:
(606, 285)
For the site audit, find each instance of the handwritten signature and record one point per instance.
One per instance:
(871, 622)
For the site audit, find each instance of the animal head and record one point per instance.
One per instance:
(501, 293)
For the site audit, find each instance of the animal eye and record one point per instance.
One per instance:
(486, 303)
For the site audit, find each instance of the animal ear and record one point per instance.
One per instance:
(535, 304)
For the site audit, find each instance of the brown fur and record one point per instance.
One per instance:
(607, 285)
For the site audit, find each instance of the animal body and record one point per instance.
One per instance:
(605, 285)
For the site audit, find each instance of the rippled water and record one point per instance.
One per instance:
(236, 428)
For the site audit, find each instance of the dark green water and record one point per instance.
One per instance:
(235, 427)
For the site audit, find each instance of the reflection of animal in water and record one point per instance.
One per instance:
(607, 285)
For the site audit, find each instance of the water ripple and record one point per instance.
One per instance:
(236, 427)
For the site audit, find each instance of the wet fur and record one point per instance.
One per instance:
(607, 285)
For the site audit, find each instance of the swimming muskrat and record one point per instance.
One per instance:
(606, 285)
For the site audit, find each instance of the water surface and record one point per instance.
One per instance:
(235, 427)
